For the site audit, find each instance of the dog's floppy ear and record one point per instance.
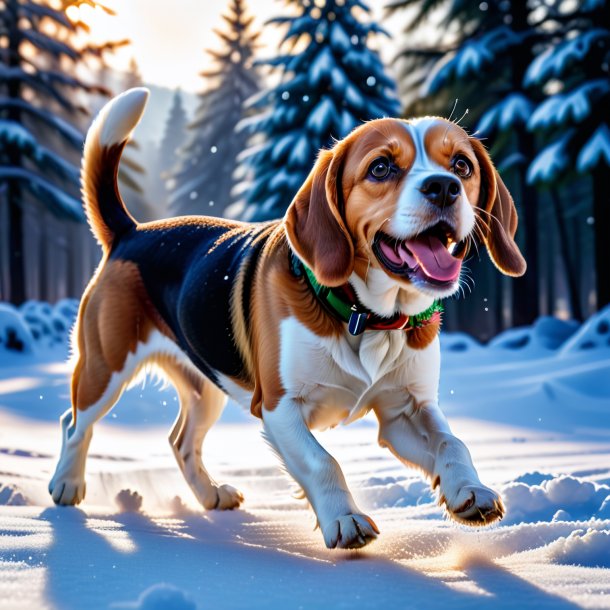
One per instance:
(500, 221)
(315, 224)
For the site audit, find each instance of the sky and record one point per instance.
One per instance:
(169, 38)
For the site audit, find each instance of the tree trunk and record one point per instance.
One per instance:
(525, 290)
(13, 154)
(17, 267)
(570, 268)
(601, 214)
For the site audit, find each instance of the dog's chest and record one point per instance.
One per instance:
(339, 379)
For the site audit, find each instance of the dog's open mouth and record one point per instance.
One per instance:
(433, 256)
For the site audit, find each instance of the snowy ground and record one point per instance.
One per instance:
(534, 408)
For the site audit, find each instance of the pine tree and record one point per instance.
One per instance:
(331, 81)
(174, 136)
(574, 120)
(35, 89)
(205, 179)
(168, 153)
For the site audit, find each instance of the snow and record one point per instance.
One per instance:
(556, 59)
(16, 134)
(512, 111)
(319, 121)
(551, 161)
(533, 406)
(573, 107)
(576, 499)
(35, 327)
(161, 597)
(15, 335)
(587, 548)
(595, 151)
(472, 57)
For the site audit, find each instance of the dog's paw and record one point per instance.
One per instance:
(475, 505)
(225, 497)
(67, 491)
(350, 532)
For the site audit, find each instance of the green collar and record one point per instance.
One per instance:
(342, 302)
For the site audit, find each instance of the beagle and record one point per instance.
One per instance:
(309, 321)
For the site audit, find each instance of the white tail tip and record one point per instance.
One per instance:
(120, 116)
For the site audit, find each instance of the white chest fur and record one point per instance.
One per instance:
(340, 379)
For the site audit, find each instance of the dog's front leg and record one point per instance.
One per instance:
(342, 524)
(418, 434)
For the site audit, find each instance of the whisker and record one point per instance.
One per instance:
(465, 113)
(455, 103)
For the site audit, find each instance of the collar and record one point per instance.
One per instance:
(342, 302)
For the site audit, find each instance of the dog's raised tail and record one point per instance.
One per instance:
(106, 138)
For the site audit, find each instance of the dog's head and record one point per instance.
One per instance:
(407, 198)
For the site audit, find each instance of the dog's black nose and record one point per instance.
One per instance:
(441, 190)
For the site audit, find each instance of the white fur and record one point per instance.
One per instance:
(341, 522)
(331, 381)
(119, 117)
(241, 396)
(381, 294)
(411, 216)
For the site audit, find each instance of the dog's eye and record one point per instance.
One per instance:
(462, 167)
(380, 168)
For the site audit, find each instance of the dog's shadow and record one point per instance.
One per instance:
(96, 562)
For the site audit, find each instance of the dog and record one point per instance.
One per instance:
(309, 321)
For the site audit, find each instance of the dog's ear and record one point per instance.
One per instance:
(499, 217)
(315, 224)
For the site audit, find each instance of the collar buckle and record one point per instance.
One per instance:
(357, 322)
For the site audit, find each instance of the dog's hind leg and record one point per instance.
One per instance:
(201, 404)
(114, 337)
(68, 483)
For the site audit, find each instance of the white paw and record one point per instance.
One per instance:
(350, 532)
(225, 497)
(475, 505)
(67, 491)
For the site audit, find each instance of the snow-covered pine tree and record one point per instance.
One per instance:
(331, 81)
(574, 119)
(205, 178)
(36, 88)
(174, 137)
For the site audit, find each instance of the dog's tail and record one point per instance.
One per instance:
(106, 138)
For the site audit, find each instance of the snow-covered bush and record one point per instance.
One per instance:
(15, 334)
(36, 324)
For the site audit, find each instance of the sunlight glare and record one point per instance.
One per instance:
(115, 534)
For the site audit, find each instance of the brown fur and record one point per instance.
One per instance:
(115, 315)
(419, 338)
(99, 188)
(500, 217)
(315, 224)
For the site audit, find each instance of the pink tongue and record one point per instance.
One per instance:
(389, 253)
(434, 258)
